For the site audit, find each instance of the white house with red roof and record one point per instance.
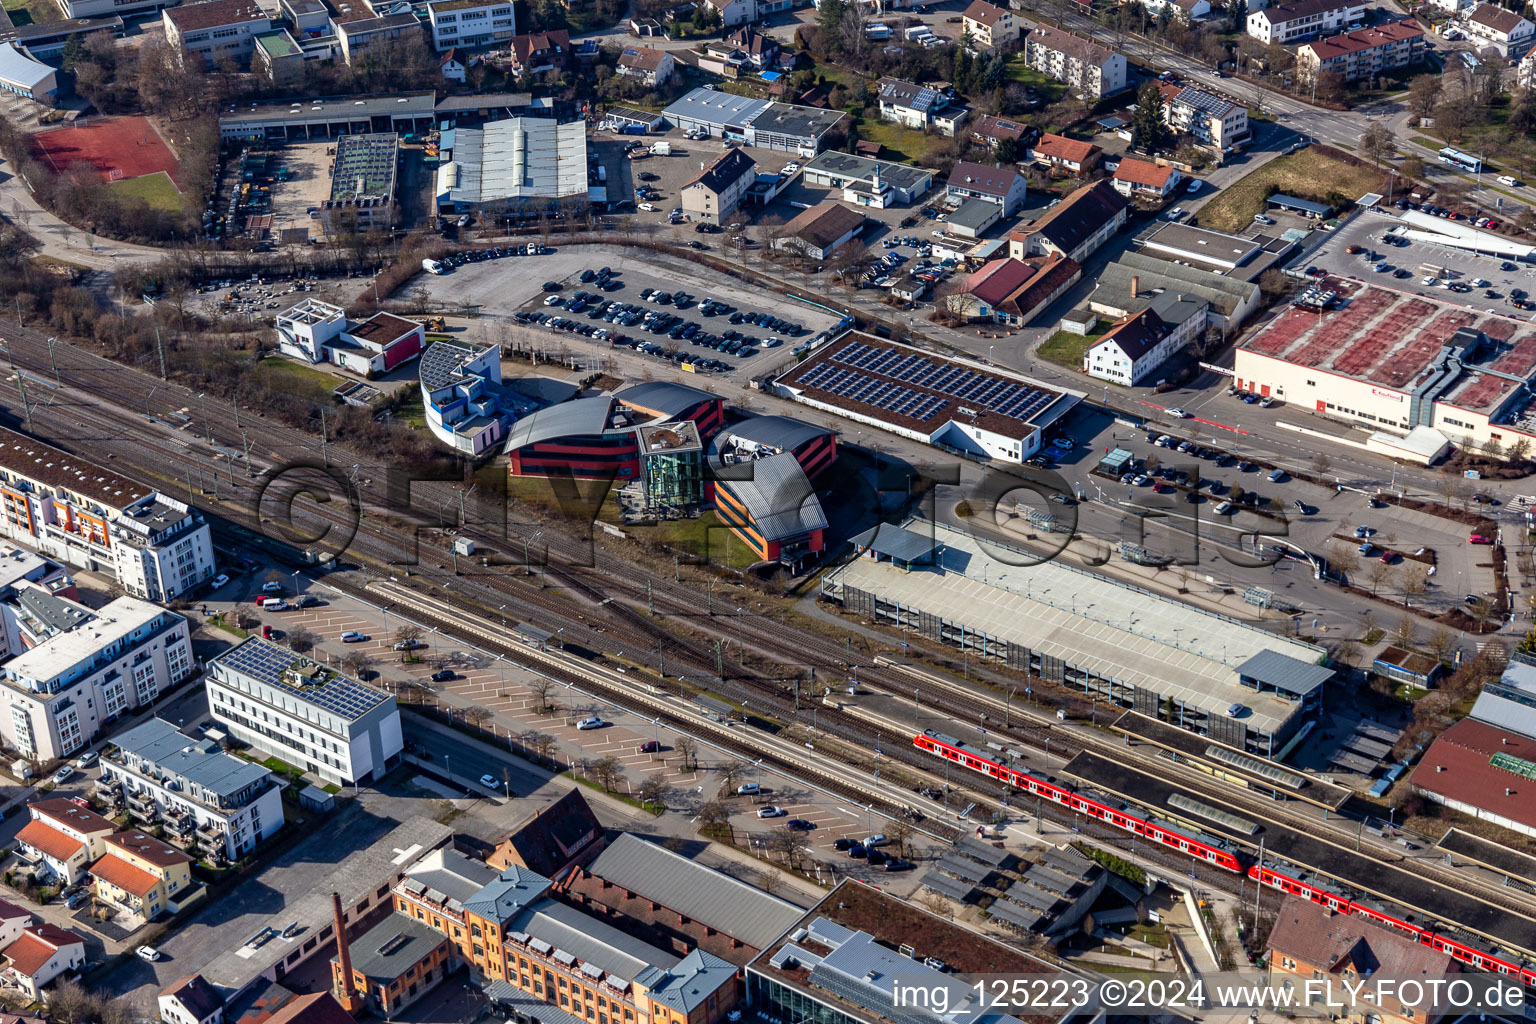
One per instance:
(1506, 31)
(1061, 153)
(1001, 185)
(646, 65)
(1143, 179)
(318, 332)
(62, 838)
(40, 954)
(1137, 345)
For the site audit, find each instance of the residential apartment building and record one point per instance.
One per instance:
(992, 131)
(1136, 346)
(222, 805)
(1363, 53)
(734, 12)
(1090, 69)
(538, 52)
(1143, 179)
(645, 65)
(80, 513)
(306, 713)
(39, 955)
(1060, 153)
(717, 190)
(1214, 121)
(1002, 186)
(1074, 227)
(61, 839)
(470, 23)
(109, 8)
(1185, 11)
(989, 27)
(81, 669)
(538, 953)
(1284, 24)
(357, 29)
(143, 876)
(216, 29)
(1310, 942)
(1504, 30)
(920, 107)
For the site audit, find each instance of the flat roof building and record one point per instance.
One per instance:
(867, 182)
(1482, 770)
(215, 29)
(363, 182)
(1510, 703)
(1393, 362)
(954, 403)
(327, 116)
(770, 125)
(28, 78)
(306, 713)
(519, 167)
(1238, 684)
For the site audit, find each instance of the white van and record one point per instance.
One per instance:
(1505, 179)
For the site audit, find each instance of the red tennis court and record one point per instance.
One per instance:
(116, 147)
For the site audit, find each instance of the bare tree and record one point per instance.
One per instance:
(408, 638)
(543, 689)
(606, 772)
(1441, 643)
(788, 843)
(477, 716)
(241, 616)
(1406, 633)
(301, 640)
(1378, 143)
(688, 750)
(768, 879)
(653, 792)
(358, 664)
(713, 817)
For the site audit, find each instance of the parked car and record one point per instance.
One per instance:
(86, 759)
(1276, 475)
(878, 839)
(219, 581)
(593, 722)
(442, 675)
(1480, 538)
(771, 811)
(490, 782)
(149, 953)
(271, 587)
(352, 636)
(842, 845)
(748, 789)
(62, 775)
(799, 825)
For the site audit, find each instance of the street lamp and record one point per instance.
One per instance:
(295, 575)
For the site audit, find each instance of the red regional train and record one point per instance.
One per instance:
(955, 751)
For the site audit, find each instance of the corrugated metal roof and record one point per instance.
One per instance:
(710, 897)
(664, 396)
(781, 432)
(512, 892)
(584, 416)
(691, 982)
(520, 158)
(1285, 672)
(20, 70)
(715, 107)
(895, 542)
(777, 494)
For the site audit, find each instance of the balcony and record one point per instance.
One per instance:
(143, 807)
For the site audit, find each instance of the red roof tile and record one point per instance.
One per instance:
(1456, 766)
(1059, 147)
(116, 871)
(147, 847)
(1319, 938)
(984, 13)
(48, 840)
(1143, 172)
(36, 947)
(1365, 39)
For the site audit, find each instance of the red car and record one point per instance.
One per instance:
(1480, 538)
(1161, 488)
(650, 747)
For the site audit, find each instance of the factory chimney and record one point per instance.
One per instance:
(346, 987)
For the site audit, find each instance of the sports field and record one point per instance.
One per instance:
(116, 147)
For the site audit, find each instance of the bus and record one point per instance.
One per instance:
(1465, 161)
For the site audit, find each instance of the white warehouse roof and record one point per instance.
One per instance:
(520, 158)
(17, 69)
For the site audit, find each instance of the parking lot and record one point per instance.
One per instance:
(1410, 265)
(506, 287)
(1237, 503)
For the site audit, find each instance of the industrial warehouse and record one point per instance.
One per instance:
(1119, 644)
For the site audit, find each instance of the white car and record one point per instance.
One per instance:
(87, 759)
(554, 300)
(271, 587)
(352, 636)
(792, 167)
(149, 953)
(490, 782)
(591, 723)
(647, 208)
(771, 812)
(219, 581)
(62, 775)
(1195, 185)
(1177, 413)
(1224, 508)
(1177, 213)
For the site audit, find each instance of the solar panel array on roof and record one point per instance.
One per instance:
(914, 386)
(335, 693)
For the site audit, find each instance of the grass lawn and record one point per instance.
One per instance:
(304, 381)
(901, 144)
(155, 189)
(1049, 89)
(1066, 349)
(410, 410)
(1307, 174)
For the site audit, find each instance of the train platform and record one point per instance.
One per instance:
(1464, 846)
(1232, 765)
(1308, 854)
